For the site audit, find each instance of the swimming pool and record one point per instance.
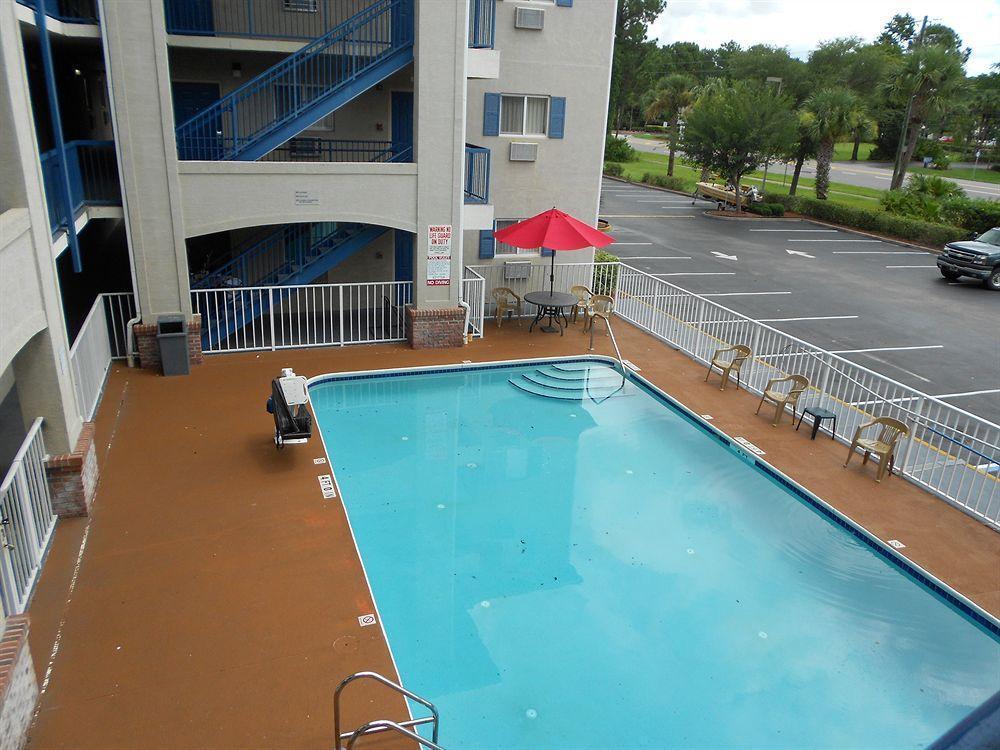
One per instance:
(594, 568)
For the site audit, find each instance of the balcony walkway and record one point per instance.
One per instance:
(217, 598)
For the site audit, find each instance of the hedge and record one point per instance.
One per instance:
(615, 170)
(664, 181)
(880, 222)
(767, 209)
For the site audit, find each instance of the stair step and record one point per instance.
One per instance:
(570, 394)
(592, 375)
(562, 384)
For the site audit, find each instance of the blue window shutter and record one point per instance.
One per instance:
(487, 247)
(557, 116)
(491, 115)
(564, 3)
(546, 252)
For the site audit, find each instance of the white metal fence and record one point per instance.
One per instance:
(119, 309)
(280, 317)
(27, 522)
(950, 452)
(474, 293)
(101, 338)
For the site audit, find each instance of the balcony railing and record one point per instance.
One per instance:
(338, 150)
(477, 174)
(67, 11)
(93, 179)
(262, 19)
(482, 23)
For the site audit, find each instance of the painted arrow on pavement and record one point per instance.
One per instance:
(717, 254)
(799, 252)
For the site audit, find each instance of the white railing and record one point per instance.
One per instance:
(26, 524)
(89, 360)
(281, 317)
(474, 293)
(950, 452)
(119, 309)
(598, 277)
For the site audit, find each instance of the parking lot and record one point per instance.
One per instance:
(879, 303)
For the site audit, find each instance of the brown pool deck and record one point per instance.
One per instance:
(215, 603)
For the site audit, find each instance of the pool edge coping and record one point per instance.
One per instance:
(908, 567)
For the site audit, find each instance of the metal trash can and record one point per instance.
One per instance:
(171, 335)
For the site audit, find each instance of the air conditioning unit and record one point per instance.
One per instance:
(523, 151)
(529, 18)
(515, 270)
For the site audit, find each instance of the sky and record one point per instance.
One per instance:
(800, 25)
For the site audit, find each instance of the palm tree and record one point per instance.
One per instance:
(929, 77)
(831, 113)
(674, 94)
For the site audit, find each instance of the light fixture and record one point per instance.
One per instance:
(237, 70)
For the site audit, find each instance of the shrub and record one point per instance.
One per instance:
(976, 214)
(995, 167)
(767, 209)
(663, 181)
(613, 169)
(605, 277)
(942, 163)
(617, 149)
(655, 129)
(882, 222)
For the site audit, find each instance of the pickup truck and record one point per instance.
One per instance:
(978, 258)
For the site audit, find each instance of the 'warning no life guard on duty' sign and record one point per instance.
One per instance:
(438, 254)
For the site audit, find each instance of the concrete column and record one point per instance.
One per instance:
(41, 365)
(135, 50)
(439, 100)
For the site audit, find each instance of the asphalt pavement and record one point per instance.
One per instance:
(879, 303)
(869, 174)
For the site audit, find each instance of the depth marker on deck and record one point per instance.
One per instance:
(320, 460)
(326, 486)
(749, 446)
(366, 620)
(896, 544)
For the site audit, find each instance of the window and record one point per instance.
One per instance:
(502, 248)
(300, 6)
(523, 115)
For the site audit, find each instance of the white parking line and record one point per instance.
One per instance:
(818, 317)
(878, 252)
(911, 266)
(740, 294)
(827, 231)
(648, 216)
(656, 257)
(887, 349)
(968, 393)
(850, 240)
(619, 244)
(697, 273)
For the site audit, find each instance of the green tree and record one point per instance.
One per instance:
(633, 67)
(804, 147)
(734, 128)
(673, 95)
(831, 113)
(930, 76)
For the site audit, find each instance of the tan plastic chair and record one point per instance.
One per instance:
(781, 398)
(583, 295)
(882, 445)
(507, 302)
(729, 362)
(601, 306)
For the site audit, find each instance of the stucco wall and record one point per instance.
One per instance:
(22, 314)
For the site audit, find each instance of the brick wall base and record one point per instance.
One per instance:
(435, 329)
(73, 476)
(18, 684)
(149, 348)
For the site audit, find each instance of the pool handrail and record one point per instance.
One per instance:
(382, 725)
(385, 725)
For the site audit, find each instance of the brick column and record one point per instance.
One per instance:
(73, 477)
(18, 684)
(435, 328)
(149, 349)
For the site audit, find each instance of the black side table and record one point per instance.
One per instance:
(818, 416)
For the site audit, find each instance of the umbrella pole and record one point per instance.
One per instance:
(552, 273)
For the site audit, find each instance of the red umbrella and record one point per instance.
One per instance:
(553, 230)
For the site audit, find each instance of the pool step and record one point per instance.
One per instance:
(544, 382)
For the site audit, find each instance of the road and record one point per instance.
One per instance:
(869, 174)
(878, 303)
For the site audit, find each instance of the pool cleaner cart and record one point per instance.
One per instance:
(288, 405)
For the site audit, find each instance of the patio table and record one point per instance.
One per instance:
(552, 305)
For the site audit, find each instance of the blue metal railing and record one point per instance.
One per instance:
(268, 260)
(482, 23)
(261, 19)
(67, 11)
(339, 150)
(302, 88)
(477, 174)
(93, 179)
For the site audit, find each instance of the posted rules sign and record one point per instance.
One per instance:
(438, 254)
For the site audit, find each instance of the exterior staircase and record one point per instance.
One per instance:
(574, 381)
(306, 86)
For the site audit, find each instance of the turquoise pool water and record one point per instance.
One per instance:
(599, 572)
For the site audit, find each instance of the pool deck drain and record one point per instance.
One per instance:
(234, 588)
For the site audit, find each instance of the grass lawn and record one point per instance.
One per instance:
(850, 195)
(842, 151)
(650, 136)
(983, 174)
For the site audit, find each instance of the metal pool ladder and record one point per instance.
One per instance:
(385, 725)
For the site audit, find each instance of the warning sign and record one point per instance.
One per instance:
(438, 254)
